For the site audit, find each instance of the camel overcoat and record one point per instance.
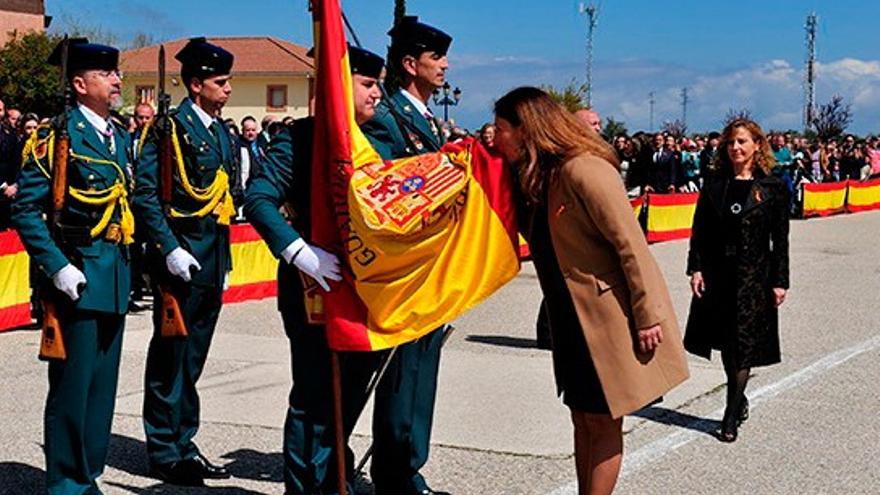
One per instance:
(615, 284)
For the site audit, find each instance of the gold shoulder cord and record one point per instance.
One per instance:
(216, 198)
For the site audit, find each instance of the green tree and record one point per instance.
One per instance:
(676, 128)
(614, 128)
(573, 96)
(26, 78)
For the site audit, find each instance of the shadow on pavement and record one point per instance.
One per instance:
(253, 465)
(172, 489)
(675, 418)
(503, 341)
(129, 455)
(20, 479)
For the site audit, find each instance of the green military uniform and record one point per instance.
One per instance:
(285, 180)
(201, 208)
(82, 388)
(404, 404)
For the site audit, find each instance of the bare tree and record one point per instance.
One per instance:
(832, 118)
(676, 128)
(736, 114)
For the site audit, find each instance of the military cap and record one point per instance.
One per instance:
(360, 61)
(202, 59)
(411, 37)
(365, 62)
(82, 55)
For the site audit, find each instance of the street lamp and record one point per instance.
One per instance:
(446, 101)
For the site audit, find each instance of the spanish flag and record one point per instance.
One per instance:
(670, 216)
(423, 238)
(15, 309)
(863, 196)
(824, 199)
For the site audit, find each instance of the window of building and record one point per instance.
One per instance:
(276, 98)
(146, 94)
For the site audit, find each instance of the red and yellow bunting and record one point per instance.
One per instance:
(670, 216)
(863, 196)
(824, 199)
(15, 309)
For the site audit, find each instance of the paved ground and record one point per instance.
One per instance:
(499, 428)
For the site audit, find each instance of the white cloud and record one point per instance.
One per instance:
(772, 90)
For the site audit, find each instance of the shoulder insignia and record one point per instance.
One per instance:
(407, 109)
(80, 125)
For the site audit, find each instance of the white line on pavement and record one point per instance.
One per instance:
(659, 448)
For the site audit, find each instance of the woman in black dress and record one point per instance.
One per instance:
(738, 264)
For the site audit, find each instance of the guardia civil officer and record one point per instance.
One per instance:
(83, 263)
(188, 250)
(405, 126)
(284, 181)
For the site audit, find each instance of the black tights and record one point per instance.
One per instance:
(737, 379)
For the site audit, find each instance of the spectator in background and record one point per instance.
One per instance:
(707, 155)
(12, 117)
(690, 166)
(873, 150)
(664, 173)
(265, 135)
(487, 136)
(232, 127)
(591, 118)
(143, 115)
(9, 165)
(818, 163)
(833, 153)
(851, 159)
(251, 154)
(27, 125)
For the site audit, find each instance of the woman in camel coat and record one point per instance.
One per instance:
(616, 342)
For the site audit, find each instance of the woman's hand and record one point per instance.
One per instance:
(778, 296)
(698, 286)
(650, 338)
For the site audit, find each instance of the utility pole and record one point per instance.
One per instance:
(651, 101)
(592, 13)
(684, 106)
(810, 71)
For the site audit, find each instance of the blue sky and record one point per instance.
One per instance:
(745, 54)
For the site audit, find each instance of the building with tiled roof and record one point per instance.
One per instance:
(21, 16)
(269, 76)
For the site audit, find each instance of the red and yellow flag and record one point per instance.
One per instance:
(423, 238)
(863, 196)
(824, 199)
(15, 292)
(670, 216)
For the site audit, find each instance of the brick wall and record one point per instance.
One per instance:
(16, 21)
(22, 6)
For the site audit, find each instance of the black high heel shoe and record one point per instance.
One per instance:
(744, 410)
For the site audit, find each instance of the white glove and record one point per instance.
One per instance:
(226, 282)
(70, 281)
(313, 261)
(180, 263)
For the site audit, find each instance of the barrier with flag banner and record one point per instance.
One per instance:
(824, 199)
(863, 196)
(670, 216)
(254, 269)
(15, 307)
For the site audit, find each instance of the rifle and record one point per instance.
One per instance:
(52, 340)
(171, 321)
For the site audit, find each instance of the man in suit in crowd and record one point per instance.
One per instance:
(664, 172)
(8, 168)
(190, 255)
(82, 263)
(405, 126)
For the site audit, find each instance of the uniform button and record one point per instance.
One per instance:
(94, 214)
(91, 176)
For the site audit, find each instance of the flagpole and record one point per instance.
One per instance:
(338, 428)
